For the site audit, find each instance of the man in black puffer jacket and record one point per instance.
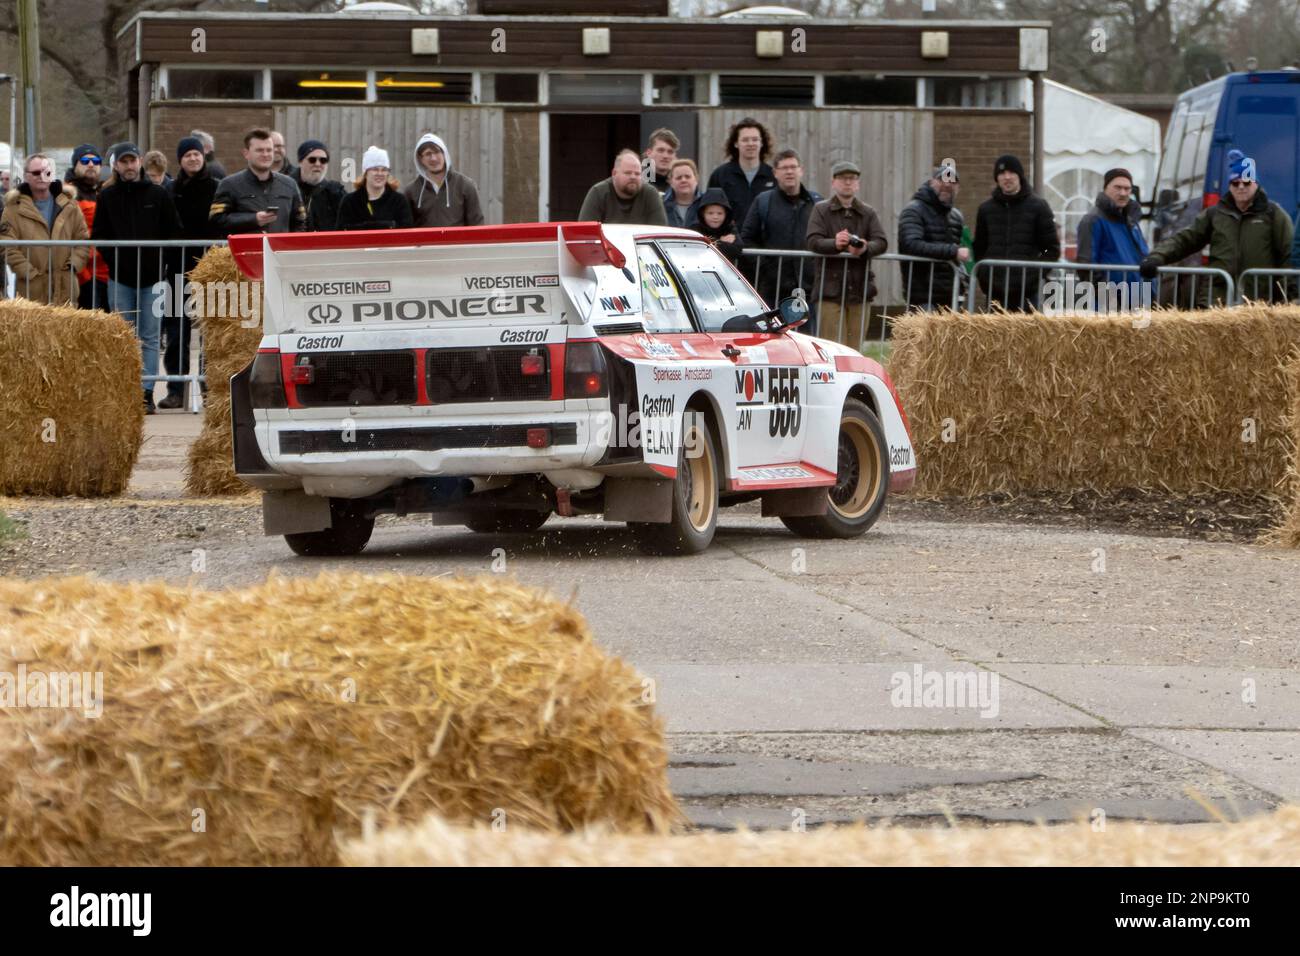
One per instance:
(931, 226)
(1014, 224)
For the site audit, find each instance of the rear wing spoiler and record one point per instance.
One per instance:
(586, 242)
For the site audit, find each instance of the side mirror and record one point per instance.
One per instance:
(793, 310)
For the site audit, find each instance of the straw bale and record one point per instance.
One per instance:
(229, 344)
(1268, 840)
(1287, 532)
(291, 712)
(1098, 403)
(71, 403)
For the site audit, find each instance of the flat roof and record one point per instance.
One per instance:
(731, 23)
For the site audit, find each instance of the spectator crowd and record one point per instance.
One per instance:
(745, 205)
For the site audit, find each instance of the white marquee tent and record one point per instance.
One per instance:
(1084, 137)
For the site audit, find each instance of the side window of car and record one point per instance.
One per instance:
(662, 307)
(718, 293)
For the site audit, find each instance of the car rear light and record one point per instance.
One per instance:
(265, 387)
(584, 371)
(539, 438)
(302, 372)
(1209, 199)
(532, 364)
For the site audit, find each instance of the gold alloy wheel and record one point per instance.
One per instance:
(701, 480)
(858, 473)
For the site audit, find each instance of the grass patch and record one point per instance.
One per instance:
(878, 350)
(10, 530)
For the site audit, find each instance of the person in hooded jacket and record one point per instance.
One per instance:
(439, 195)
(1014, 223)
(84, 176)
(1110, 233)
(713, 219)
(377, 201)
(930, 226)
(40, 209)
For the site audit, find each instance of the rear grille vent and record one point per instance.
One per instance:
(491, 374)
(359, 378)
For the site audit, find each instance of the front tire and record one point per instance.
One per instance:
(695, 497)
(511, 521)
(349, 532)
(861, 479)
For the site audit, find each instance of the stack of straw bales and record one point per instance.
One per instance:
(229, 344)
(1258, 841)
(1013, 402)
(71, 403)
(261, 726)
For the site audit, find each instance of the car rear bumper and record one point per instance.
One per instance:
(403, 447)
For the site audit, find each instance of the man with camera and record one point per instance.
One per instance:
(848, 232)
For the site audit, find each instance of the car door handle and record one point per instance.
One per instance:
(730, 351)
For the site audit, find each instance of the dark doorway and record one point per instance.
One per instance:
(582, 153)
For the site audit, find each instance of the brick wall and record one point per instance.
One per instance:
(168, 123)
(975, 138)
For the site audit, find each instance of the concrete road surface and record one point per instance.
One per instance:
(930, 669)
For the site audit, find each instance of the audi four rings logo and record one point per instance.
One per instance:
(324, 313)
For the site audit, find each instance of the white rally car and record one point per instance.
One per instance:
(494, 375)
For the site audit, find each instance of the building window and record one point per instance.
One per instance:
(870, 91)
(672, 89)
(397, 87)
(975, 94)
(594, 89)
(1071, 193)
(509, 88)
(766, 90)
(318, 85)
(185, 84)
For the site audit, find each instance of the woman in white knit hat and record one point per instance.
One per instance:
(377, 202)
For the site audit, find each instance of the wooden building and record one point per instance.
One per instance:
(536, 96)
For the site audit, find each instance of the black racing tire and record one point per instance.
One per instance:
(507, 521)
(861, 479)
(695, 497)
(348, 533)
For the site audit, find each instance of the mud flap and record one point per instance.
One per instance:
(294, 512)
(639, 499)
(795, 503)
(247, 456)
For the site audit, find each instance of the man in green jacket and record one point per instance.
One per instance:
(1246, 231)
(625, 197)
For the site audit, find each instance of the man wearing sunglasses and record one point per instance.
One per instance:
(1246, 230)
(41, 209)
(85, 178)
(320, 196)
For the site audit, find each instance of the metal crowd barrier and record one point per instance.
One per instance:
(1281, 285)
(1018, 286)
(776, 272)
(171, 263)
